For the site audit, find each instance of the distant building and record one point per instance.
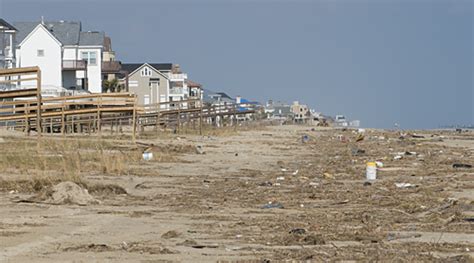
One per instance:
(301, 112)
(278, 111)
(149, 81)
(7, 42)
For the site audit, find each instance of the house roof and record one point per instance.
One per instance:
(6, 25)
(210, 96)
(131, 67)
(68, 33)
(91, 38)
(193, 84)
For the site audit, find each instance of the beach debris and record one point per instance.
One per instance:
(371, 171)
(357, 152)
(295, 172)
(280, 178)
(367, 183)
(272, 205)
(394, 236)
(405, 185)
(398, 157)
(266, 183)
(313, 183)
(416, 136)
(379, 164)
(199, 149)
(170, 234)
(305, 138)
(328, 176)
(360, 138)
(147, 156)
(297, 231)
(462, 166)
(361, 130)
(284, 169)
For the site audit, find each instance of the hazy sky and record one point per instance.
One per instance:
(383, 62)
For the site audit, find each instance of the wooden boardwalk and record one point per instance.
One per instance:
(25, 109)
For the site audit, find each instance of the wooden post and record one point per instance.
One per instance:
(38, 98)
(179, 117)
(99, 122)
(134, 119)
(27, 120)
(158, 119)
(200, 118)
(62, 121)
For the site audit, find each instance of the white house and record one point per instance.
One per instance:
(69, 58)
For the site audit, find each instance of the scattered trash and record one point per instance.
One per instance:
(462, 165)
(284, 169)
(367, 183)
(236, 154)
(417, 136)
(305, 139)
(295, 173)
(397, 157)
(361, 130)
(314, 184)
(267, 134)
(199, 149)
(357, 152)
(469, 219)
(266, 183)
(328, 176)
(379, 164)
(298, 231)
(280, 178)
(147, 156)
(360, 138)
(170, 234)
(371, 171)
(272, 205)
(238, 236)
(394, 236)
(405, 185)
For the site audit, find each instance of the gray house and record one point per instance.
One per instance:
(149, 81)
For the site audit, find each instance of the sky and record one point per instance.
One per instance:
(383, 62)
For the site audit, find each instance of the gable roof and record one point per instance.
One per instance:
(5, 25)
(131, 67)
(41, 27)
(193, 84)
(66, 32)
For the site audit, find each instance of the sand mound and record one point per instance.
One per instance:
(70, 193)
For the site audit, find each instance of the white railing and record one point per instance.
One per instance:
(178, 76)
(178, 91)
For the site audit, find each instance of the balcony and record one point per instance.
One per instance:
(178, 76)
(176, 91)
(111, 67)
(74, 65)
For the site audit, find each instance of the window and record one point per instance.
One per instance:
(146, 72)
(90, 57)
(40, 52)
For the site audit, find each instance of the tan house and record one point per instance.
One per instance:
(149, 81)
(301, 112)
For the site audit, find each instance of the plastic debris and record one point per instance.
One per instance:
(295, 173)
(405, 185)
(305, 138)
(199, 149)
(298, 231)
(273, 205)
(357, 152)
(280, 178)
(379, 164)
(147, 156)
(462, 165)
(328, 176)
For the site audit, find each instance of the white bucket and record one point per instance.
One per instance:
(147, 156)
(371, 171)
